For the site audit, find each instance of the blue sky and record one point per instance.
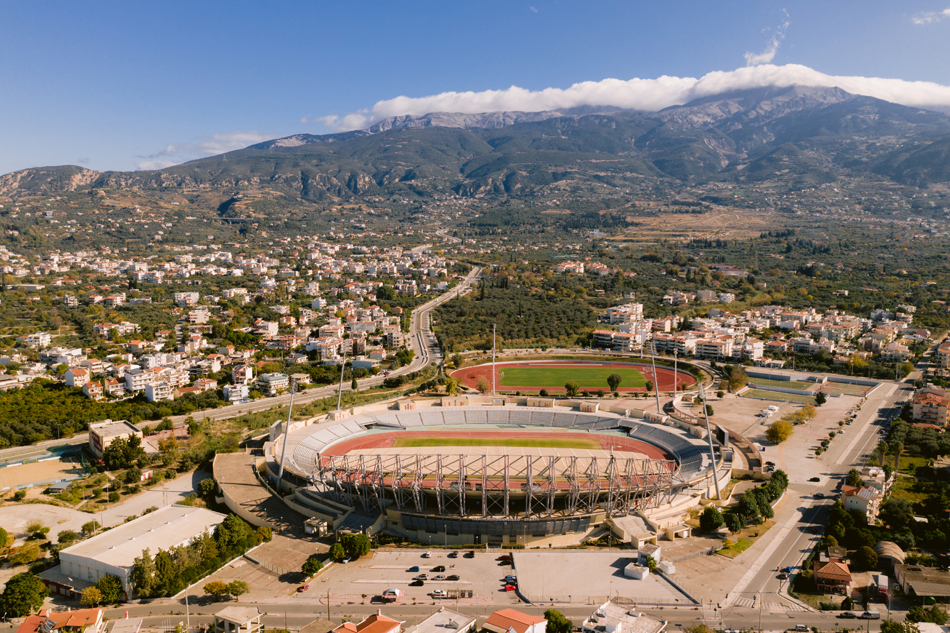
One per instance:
(126, 85)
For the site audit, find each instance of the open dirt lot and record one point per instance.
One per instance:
(48, 471)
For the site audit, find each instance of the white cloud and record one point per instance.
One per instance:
(201, 147)
(930, 17)
(766, 56)
(644, 94)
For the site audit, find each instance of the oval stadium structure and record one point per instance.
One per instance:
(497, 472)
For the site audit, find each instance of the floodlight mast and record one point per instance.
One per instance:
(283, 451)
(712, 451)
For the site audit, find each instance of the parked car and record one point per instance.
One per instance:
(303, 588)
(438, 593)
(426, 555)
(453, 577)
(815, 479)
(783, 576)
(787, 570)
(346, 560)
(453, 554)
(439, 568)
(438, 578)
(510, 587)
(511, 578)
(416, 583)
(470, 554)
(421, 577)
(847, 615)
(414, 568)
(819, 495)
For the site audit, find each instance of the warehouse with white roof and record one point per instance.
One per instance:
(114, 552)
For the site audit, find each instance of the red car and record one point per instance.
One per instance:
(303, 588)
(510, 587)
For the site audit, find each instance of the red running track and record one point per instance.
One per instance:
(607, 442)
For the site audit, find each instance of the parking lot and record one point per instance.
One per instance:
(367, 578)
(588, 577)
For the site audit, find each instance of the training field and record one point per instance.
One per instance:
(787, 384)
(587, 377)
(41, 472)
(519, 442)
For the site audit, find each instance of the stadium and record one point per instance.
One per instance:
(495, 470)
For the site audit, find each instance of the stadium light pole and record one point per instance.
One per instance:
(283, 450)
(494, 327)
(339, 395)
(656, 384)
(676, 355)
(712, 451)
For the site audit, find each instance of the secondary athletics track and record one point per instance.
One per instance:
(468, 376)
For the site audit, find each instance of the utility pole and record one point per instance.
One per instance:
(676, 355)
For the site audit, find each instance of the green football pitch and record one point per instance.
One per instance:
(523, 442)
(593, 377)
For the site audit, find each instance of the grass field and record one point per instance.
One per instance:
(557, 377)
(522, 442)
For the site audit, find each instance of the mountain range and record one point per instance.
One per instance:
(798, 136)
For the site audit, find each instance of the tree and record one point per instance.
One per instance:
(451, 386)
(23, 594)
(91, 597)
(821, 398)
(237, 588)
(355, 545)
(264, 533)
(482, 384)
(35, 527)
(206, 487)
(571, 387)
(864, 559)
(896, 512)
(651, 564)
(734, 523)
(111, 588)
(311, 566)
(113, 497)
(737, 378)
(749, 506)
(232, 531)
(890, 626)
(557, 622)
(613, 381)
(649, 386)
(709, 409)
(847, 604)
(216, 589)
(142, 577)
(4, 537)
(337, 552)
(65, 537)
(854, 478)
(780, 431)
(354, 385)
(25, 554)
(711, 519)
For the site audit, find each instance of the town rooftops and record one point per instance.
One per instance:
(377, 623)
(509, 619)
(238, 615)
(443, 621)
(79, 619)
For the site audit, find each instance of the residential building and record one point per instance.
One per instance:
(272, 384)
(511, 621)
(930, 406)
(76, 377)
(236, 619)
(616, 618)
(78, 621)
(443, 621)
(377, 623)
(242, 374)
(159, 391)
(102, 434)
(93, 390)
(833, 577)
(865, 499)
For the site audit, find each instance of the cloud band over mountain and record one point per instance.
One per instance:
(645, 94)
